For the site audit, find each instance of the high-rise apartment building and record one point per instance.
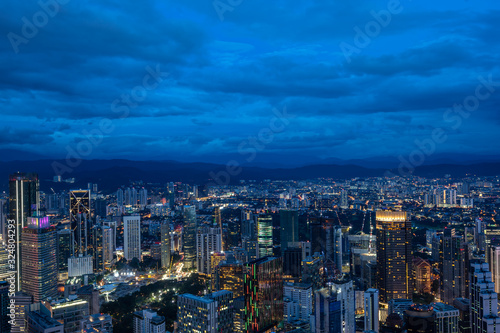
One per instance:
(483, 300)
(208, 241)
(132, 237)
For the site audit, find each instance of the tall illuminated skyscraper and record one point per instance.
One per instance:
(371, 310)
(64, 242)
(165, 245)
(80, 218)
(24, 199)
(263, 294)
(132, 237)
(265, 235)
(39, 264)
(394, 258)
(453, 267)
(189, 237)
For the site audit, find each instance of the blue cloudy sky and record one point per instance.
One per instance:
(230, 65)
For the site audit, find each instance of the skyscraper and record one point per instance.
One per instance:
(289, 227)
(24, 201)
(344, 290)
(189, 237)
(64, 242)
(165, 245)
(80, 218)
(265, 235)
(218, 223)
(371, 310)
(263, 294)
(208, 241)
(39, 264)
(483, 300)
(148, 321)
(196, 314)
(344, 203)
(394, 258)
(453, 267)
(132, 237)
(494, 262)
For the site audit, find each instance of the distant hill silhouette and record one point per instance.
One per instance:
(110, 174)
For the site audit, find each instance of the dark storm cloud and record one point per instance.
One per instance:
(225, 78)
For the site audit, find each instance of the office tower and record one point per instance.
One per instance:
(463, 306)
(196, 314)
(224, 301)
(165, 245)
(334, 308)
(483, 300)
(218, 223)
(230, 276)
(394, 258)
(215, 259)
(208, 241)
(289, 227)
(143, 198)
(189, 237)
(80, 218)
(4, 303)
(39, 264)
(148, 321)
(119, 197)
(326, 316)
(252, 247)
(344, 290)
(132, 237)
(371, 310)
(248, 227)
(64, 244)
(292, 263)
(265, 235)
(263, 293)
(336, 246)
(101, 323)
(24, 201)
(445, 318)
(419, 319)
(423, 270)
(298, 302)
(344, 203)
(42, 323)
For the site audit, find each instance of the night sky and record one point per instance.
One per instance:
(226, 69)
